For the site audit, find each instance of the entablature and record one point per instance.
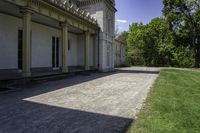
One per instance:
(57, 11)
(109, 3)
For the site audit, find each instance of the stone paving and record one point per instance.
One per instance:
(99, 103)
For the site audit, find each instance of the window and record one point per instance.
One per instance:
(69, 45)
(108, 55)
(55, 52)
(109, 22)
(20, 53)
(109, 26)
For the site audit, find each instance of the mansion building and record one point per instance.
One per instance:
(61, 36)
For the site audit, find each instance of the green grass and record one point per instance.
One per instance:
(173, 105)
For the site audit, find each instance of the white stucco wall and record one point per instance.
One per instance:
(104, 14)
(120, 54)
(72, 53)
(81, 50)
(123, 54)
(41, 46)
(41, 42)
(9, 26)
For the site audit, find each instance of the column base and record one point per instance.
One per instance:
(65, 70)
(87, 68)
(26, 74)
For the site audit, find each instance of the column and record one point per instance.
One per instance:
(94, 50)
(26, 46)
(87, 52)
(64, 47)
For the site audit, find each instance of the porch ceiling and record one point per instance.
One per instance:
(8, 8)
(53, 23)
(14, 10)
(77, 24)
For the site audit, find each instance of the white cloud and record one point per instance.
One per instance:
(122, 21)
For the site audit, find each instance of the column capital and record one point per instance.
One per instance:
(88, 32)
(64, 24)
(26, 10)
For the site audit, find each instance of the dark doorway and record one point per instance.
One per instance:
(55, 52)
(20, 49)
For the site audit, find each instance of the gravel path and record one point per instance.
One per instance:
(99, 103)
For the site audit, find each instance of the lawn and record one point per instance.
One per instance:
(173, 105)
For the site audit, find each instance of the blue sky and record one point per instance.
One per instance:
(130, 11)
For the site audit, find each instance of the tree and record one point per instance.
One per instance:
(184, 19)
(158, 43)
(150, 39)
(134, 43)
(123, 36)
(154, 44)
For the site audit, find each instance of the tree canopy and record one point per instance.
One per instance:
(123, 37)
(173, 40)
(184, 19)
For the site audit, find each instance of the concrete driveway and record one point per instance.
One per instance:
(99, 103)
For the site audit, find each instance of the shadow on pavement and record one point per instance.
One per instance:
(20, 116)
(28, 117)
(140, 71)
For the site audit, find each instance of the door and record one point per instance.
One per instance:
(20, 52)
(55, 53)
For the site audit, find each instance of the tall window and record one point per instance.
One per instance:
(108, 55)
(110, 22)
(55, 52)
(69, 45)
(20, 53)
(109, 25)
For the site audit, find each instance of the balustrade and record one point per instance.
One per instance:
(70, 7)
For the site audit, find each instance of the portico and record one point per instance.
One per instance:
(46, 38)
(56, 36)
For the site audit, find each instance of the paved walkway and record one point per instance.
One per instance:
(99, 103)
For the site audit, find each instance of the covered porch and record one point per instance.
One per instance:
(48, 40)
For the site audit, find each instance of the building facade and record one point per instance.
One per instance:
(62, 36)
(120, 53)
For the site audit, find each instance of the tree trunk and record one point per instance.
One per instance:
(197, 55)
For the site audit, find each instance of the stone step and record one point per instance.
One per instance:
(52, 77)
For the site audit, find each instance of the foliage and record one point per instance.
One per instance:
(134, 54)
(173, 40)
(157, 45)
(123, 37)
(172, 105)
(184, 19)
